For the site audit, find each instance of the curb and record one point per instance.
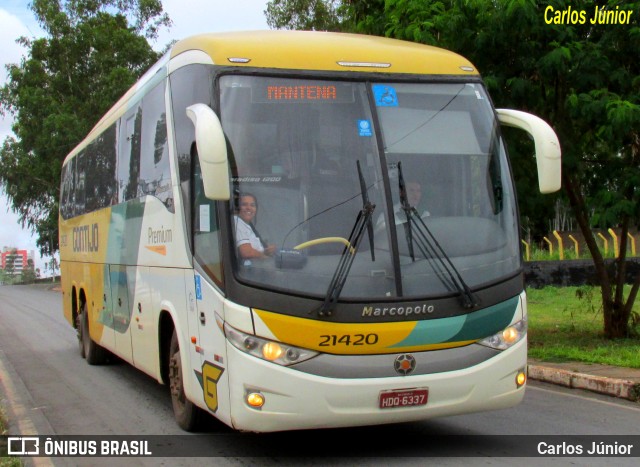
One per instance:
(24, 418)
(615, 387)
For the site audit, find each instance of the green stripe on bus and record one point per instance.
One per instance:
(469, 327)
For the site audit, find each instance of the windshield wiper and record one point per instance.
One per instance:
(366, 202)
(406, 207)
(431, 249)
(349, 253)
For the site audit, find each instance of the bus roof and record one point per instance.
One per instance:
(313, 50)
(299, 50)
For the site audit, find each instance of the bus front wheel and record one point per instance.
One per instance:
(185, 412)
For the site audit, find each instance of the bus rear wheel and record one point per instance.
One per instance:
(79, 333)
(186, 413)
(93, 352)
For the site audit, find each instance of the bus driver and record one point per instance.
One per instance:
(250, 245)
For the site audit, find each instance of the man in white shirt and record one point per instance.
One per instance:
(414, 195)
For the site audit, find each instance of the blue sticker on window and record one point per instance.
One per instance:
(364, 128)
(198, 288)
(385, 96)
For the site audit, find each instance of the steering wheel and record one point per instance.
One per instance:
(321, 240)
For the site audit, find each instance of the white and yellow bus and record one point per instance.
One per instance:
(376, 306)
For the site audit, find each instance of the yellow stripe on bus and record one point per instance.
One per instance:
(347, 338)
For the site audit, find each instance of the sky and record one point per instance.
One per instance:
(188, 16)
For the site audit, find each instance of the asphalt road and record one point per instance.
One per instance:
(50, 390)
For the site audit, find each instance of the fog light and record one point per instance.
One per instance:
(255, 399)
(521, 378)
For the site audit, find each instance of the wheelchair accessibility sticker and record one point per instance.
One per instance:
(385, 96)
(198, 287)
(364, 128)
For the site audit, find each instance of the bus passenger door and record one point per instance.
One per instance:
(121, 311)
(207, 301)
(208, 304)
(193, 287)
(211, 347)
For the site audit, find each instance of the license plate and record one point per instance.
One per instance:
(403, 398)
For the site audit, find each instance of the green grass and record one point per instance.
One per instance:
(565, 323)
(537, 253)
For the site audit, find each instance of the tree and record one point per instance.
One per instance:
(28, 274)
(94, 50)
(315, 15)
(327, 15)
(583, 78)
(9, 263)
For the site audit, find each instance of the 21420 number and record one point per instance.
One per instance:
(329, 340)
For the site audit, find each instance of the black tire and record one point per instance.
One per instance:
(93, 352)
(186, 413)
(79, 334)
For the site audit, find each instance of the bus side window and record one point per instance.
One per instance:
(206, 231)
(155, 174)
(67, 190)
(129, 154)
(79, 183)
(190, 84)
(101, 183)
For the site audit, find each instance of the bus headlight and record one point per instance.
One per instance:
(507, 337)
(272, 351)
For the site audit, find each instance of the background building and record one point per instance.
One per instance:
(14, 260)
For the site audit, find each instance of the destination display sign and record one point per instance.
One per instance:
(289, 91)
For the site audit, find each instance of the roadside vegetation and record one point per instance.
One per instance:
(537, 253)
(4, 460)
(565, 323)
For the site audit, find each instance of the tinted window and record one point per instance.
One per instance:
(155, 175)
(129, 154)
(80, 183)
(189, 85)
(101, 171)
(206, 232)
(66, 190)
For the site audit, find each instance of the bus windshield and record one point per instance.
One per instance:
(309, 154)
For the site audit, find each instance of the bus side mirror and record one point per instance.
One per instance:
(548, 154)
(212, 151)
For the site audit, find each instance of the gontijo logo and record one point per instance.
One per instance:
(85, 238)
